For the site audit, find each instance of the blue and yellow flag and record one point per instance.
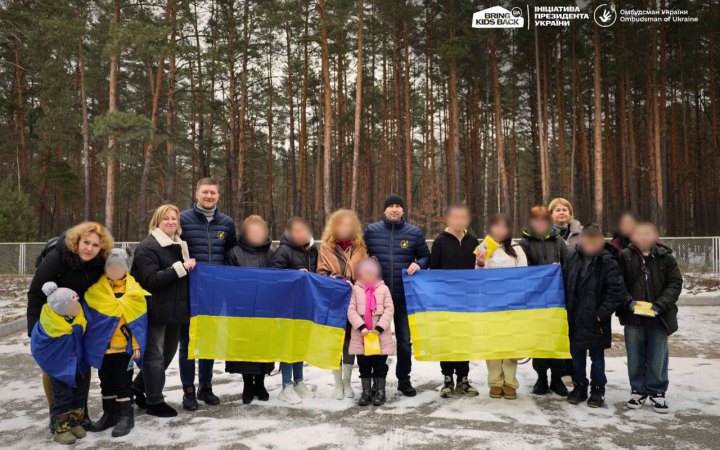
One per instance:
(465, 315)
(267, 315)
(103, 311)
(56, 345)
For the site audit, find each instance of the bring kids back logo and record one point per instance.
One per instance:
(498, 17)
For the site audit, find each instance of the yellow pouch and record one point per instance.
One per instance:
(372, 344)
(644, 309)
(490, 245)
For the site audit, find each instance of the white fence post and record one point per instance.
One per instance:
(21, 258)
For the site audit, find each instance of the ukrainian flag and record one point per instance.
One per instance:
(267, 315)
(56, 345)
(103, 311)
(462, 315)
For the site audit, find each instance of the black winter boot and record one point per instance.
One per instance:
(366, 397)
(406, 388)
(541, 385)
(579, 393)
(597, 396)
(109, 417)
(448, 387)
(205, 393)
(248, 393)
(259, 387)
(379, 397)
(140, 400)
(557, 386)
(189, 400)
(126, 418)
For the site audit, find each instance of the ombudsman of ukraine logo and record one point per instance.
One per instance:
(498, 17)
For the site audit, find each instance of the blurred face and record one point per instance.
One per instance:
(394, 213)
(169, 223)
(538, 226)
(207, 196)
(73, 308)
(458, 219)
(592, 245)
(89, 246)
(499, 231)
(115, 272)
(299, 234)
(344, 229)
(644, 237)
(626, 226)
(255, 234)
(369, 274)
(561, 215)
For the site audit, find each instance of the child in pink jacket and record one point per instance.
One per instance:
(371, 311)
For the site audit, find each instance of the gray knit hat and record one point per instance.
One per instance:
(59, 298)
(118, 256)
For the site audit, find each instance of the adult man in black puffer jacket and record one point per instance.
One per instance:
(398, 246)
(209, 234)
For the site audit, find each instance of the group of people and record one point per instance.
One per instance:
(94, 305)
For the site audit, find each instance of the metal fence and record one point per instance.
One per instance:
(694, 254)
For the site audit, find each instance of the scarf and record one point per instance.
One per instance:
(370, 305)
(208, 213)
(344, 245)
(564, 232)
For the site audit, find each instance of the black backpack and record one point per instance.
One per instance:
(49, 246)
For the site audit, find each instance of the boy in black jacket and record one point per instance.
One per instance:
(651, 275)
(594, 290)
(454, 249)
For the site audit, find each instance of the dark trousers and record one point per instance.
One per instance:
(162, 344)
(67, 397)
(374, 366)
(597, 367)
(187, 366)
(402, 336)
(461, 368)
(116, 376)
(647, 356)
(557, 367)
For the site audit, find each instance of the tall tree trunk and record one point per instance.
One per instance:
(453, 143)
(170, 170)
(408, 123)
(327, 120)
(112, 141)
(270, 200)
(85, 131)
(597, 131)
(541, 127)
(499, 142)
(242, 123)
(22, 149)
(292, 182)
(358, 110)
(302, 182)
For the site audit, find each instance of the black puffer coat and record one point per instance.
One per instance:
(158, 267)
(592, 296)
(662, 288)
(291, 256)
(548, 249)
(65, 268)
(245, 255)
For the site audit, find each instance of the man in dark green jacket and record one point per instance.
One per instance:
(651, 275)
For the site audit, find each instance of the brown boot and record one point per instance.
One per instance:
(496, 392)
(509, 392)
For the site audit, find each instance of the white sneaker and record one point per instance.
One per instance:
(347, 378)
(338, 393)
(302, 390)
(636, 401)
(289, 396)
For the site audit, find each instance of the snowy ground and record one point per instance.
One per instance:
(425, 421)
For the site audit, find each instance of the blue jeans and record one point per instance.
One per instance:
(66, 397)
(291, 372)
(187, 366)
(402, 336)
(647, 351)
(597, 367)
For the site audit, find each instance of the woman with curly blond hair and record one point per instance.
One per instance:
(75, 261)
(342, 249)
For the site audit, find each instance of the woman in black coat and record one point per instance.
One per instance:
(76, 260)
(252, 250)
(161, 266)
